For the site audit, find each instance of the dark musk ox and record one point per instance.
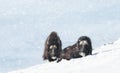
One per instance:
(81, 48)
(53, 47)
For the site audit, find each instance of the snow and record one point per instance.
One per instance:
(105, 59)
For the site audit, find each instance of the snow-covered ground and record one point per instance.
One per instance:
(25, 25)
(105, 59)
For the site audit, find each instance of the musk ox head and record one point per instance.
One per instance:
(52, 47)
(52, 51)
(84, 45)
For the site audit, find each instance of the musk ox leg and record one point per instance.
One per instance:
(59, 59)
(90, 53)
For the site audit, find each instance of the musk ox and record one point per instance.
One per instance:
(53, 47)
(81, 48)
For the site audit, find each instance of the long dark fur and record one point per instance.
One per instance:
(53, 39)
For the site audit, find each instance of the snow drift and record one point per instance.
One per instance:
(105, 59)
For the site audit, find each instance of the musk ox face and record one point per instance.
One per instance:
(52, 51)
(84, 45)
(52, 47)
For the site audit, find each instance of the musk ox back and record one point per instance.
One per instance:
(70, 52)
(85, 46)
(53, 47)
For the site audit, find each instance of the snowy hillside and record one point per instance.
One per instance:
(105, 59)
